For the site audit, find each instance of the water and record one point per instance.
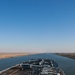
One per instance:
(67, 64)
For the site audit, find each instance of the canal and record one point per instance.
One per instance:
(66, 64)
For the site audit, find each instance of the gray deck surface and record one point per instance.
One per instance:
(16, 72)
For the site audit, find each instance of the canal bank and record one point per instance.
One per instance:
(66, 64)
(69, 55)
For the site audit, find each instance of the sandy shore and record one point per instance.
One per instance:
(69, 55)
(11, 55)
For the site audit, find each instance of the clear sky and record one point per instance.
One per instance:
(37, 25)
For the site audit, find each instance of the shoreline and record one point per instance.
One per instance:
(12, 55)
(68, 55)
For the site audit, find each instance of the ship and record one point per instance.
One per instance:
(35, 67)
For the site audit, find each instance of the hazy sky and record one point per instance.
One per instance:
(37, 25)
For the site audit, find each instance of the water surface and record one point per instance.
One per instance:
(67, 64)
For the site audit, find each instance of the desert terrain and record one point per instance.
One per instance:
(69, 55)
(11, 55)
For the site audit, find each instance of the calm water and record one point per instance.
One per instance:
(67, 64)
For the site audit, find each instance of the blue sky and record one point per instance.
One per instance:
(37, 25)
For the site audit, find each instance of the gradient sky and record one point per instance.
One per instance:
(37, 25)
